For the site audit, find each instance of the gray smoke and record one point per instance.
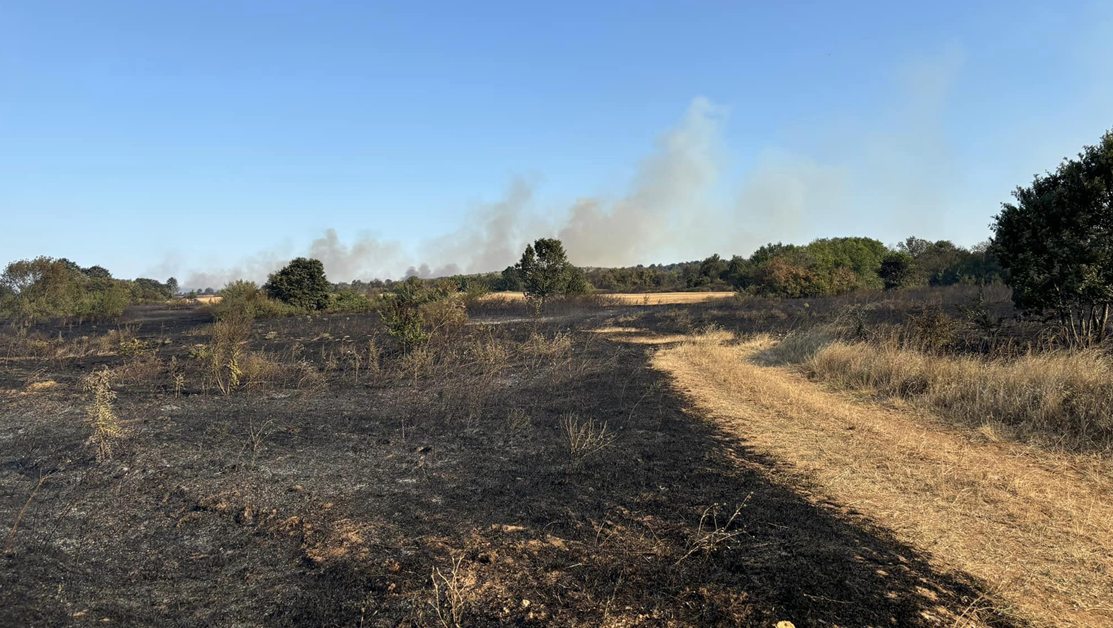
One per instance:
(365, 258)
(492, 237)
(668, 202)
(674, 209)
(253, 268)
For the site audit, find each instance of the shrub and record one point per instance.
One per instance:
(301, 283)
(350, 301)
(105, 301)
(896, 270)
(417, 310)
(102, 418)
(445, 315)
(244, 299)
(225, 352)
(585, 438)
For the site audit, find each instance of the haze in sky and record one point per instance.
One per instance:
(214, 140)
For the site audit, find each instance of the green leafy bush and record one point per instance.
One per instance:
(243, 298)
(416, 310)
(351, 301)
(301, 283)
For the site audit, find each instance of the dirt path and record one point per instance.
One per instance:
(1036, 528)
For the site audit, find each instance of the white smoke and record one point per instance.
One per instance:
(366, 257)
(672, 211)
(668, 202)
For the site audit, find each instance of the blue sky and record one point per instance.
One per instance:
(213, 139)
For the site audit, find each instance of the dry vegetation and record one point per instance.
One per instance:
(606, 464)
(1033, 524)
(633, 298)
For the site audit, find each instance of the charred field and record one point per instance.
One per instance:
(530, 472)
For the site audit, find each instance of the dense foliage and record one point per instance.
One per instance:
(46, 288)
(545, 272)
(301, 283)
(1056, 241)
(828, 266)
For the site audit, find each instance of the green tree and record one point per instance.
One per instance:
(149, 290)
(708, 273)
(546, 272)
(510, 280)
(301, 283)
(896, 270)
(41, 289)
(860, 256)
(96, 272)
(1056, 243)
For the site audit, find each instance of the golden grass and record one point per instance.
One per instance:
(1063, 399)
(634, 298)
(1034, 525)
(205, 299)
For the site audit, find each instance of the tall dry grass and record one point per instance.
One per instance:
(1063, 398)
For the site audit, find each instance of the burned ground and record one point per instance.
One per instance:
(437, 494)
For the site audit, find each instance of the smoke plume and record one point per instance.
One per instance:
(675, 208)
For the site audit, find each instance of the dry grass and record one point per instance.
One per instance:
(633, 298)
(206, 299)
(1063, 399)
(585, 438)
(1034, 525)
(1066, 398)
(450, 595)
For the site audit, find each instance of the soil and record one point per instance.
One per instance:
(436, 498)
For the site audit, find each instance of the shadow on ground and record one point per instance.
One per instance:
(411, 502)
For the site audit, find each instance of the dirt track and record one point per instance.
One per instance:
(1035, 527)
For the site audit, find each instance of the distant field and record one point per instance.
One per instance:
(637, 298)
(630, 298)
(207, 298)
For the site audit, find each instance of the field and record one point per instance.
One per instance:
(693, 464)
(634, 298)
(616, 298)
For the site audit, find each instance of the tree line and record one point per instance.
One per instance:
(46, 288)
(1053, 246)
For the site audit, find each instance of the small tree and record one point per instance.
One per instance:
(302, 283)
(1056, 243)
(546, 272)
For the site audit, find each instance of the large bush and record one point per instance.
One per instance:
(301, 283)
(242, 298)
